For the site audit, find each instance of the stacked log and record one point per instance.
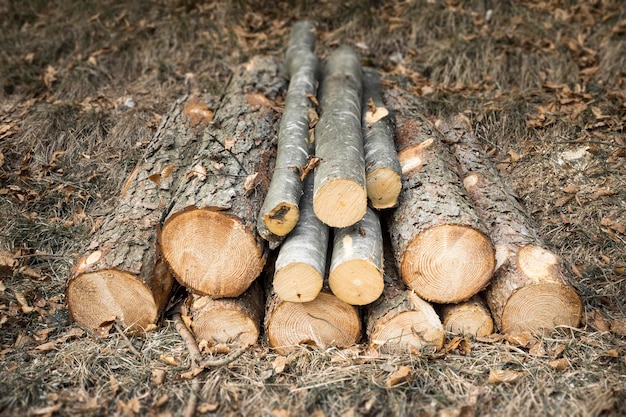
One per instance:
(529, 291)
(469, 318)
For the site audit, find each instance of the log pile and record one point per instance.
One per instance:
(366, 205)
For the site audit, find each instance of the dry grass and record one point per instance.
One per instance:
(539, 79)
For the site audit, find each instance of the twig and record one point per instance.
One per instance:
(595, 142)
(192, 403)
(130, 345)
(190, 341)
(212, 363)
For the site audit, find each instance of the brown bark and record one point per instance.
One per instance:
(122, 278)
(470, 318)
(400, 321)
(439, 242)
(235, 322)
(529, 291)
(209, 239)
(324, 322)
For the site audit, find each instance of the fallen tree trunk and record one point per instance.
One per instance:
(439, 243)
(400, 321)
(469, 318)
(356, 266)
(340, 198)
(324, 322)
(301, 261)
(382, 168)
(122, 277)
(529, 291)
(280, 211)
(209, 239)
(234, 322)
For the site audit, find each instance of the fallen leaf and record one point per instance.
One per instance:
(612, 353)
(399, 376)
(192, 373)
(559, 364)
(248, 184)
(514, 155)
(114, 384)
(228, 143)
(169, 360)
(497, 376)
(158, 376)
(46, 411)
(571, 189)
(601, 192)
(311, 164)
(26, 308)
(208, 408)
(8, 262)
(618, 327)
(462, 344)
(257, 99)
(161, 401)
(279, 364)
(197, 111)
(557, 351)
(561, 201)
(197, 171)
(49, 76)
(521, 339)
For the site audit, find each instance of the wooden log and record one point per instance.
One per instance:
(301, 261)
(280, 211)
(209, 238)
(400, 321)
(440, 245)
(122, 277)
(234, 322)
(340, 198)
(469, 318)
(356, 266)
(324, 322)
(529, 290)
(382, 167)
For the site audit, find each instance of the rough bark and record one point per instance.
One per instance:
(400, 321)
(529, 290)
(209, 239)
(469, 318)
(324, 322)
(280, 211)
(235, 322)
(301, 261)
(340, 198)
(439, 242)
(356, 267)
(382, 169)
(122, 278)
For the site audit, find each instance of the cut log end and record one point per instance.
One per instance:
(340, 202)
(323, 322)
(225, 326)
(537, 264)
(211, 252)
(282, 219)
(100, 299)
(298, 282)
(541, 307)
(356, 281)
(383, 187)
(469, 318)
(448, 263)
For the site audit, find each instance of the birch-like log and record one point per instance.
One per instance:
(324, 322)
(340, 198)
(440, 244)
(122, 277)
(470, 318)
(400, 321)
(382, 169)
(209, 239)
(356, 267)
(529, 290)
(301, 261)
(279, 213)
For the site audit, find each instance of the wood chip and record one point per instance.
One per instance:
(399, 376)
(497, 376)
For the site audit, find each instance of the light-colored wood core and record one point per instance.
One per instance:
(383, 187)
(282, 219)
(357, 281)
(340, 202)
(298, 282)
(470, 318)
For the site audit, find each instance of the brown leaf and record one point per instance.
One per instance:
(167, 171)
(313, 99)
(561, 201)
(46, 411)
(497, 376)
(208, 408)
(311, 164)
(462, 344)
(601, 192)
(155, 178)
(571, 189)
(197, 171)
(26, 308)
(197, 111)
(158, 376)
(257, 99)
(514, 155)
(399, 376)
(248, 184)
(521, 339)
(612, 353)
(618, 327)
(559, 364)
(279, 364)
(8, 261)
(169, 360)
(161, 401)
(49, 76)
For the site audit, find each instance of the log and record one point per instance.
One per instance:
(529, 290)
(382, 167)
(301, 261)
(400, 321)
(209, 238)
(340, 198)
(356, 266)
(469, 318)
(234, 322)
(324, 322)
(280, 211)
(122, 278)
(440, 245)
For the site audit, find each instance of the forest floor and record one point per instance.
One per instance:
(83, 86)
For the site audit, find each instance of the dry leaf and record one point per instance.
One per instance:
(228, 143)
(521, 339)
(155, 178)
(612, 353)
(197, 171)
(197, 111)
(313, 118)
(49, 76)
(8, 261)
(571, 189)
(169, 360)
(557, 351)
(279, 364)
(601, 192)
(618, 327)
(114, 384)
(23, 303)
(161, 401)
(45, 347)
(167, 171)
(313, 99)
(158, 376)
(497, 376)
(208, 408)
(514, 155)
(248, 184)
(462, 344)
(599, 322)
(311, 164)
(560, 202)
(192, 373)
(559, 364)
(46, 411)
(257, 99)
(399, 376)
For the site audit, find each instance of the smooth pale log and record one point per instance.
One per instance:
(356, 267)
(280, 211)
(439, 242)
(209, 239)
(529, 290)
(324, 322)
(382, 167)
(235, 322)
(340, 197)
(122, 278)
(301, 261)
(469, 318)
